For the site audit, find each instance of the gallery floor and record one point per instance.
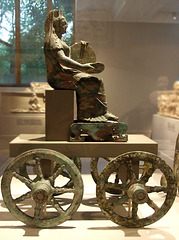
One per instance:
(90, 223)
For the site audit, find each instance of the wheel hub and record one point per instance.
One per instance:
(137, 193)
(41, 191)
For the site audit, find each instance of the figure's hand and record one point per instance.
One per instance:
(93, 67)
(87, 67)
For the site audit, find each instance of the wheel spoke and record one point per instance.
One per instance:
(148, 174)
(23, 179)
(57, 172)
(59, 209)
(23, 197)
(56, 167)
(152, 205)
(58, 190)
(151, 189)
(130, 170)
(38, 168)
(134, 210)
(37, 210)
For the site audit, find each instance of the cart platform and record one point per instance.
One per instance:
(136, 142)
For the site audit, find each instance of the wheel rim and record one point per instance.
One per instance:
(48, 206)
(137, 193)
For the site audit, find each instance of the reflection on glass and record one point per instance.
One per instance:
(32, 19)
(67, 7)
(7, 41)
(33, 14)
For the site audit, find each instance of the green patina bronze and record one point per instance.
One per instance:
(43, 194)
(63, 72)
(72, 68)
(176, 162)
(135, 191)
(94, 167)
(95, 174)
(101, 131)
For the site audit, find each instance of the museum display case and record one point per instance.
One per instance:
(41, 122)
(165, 124)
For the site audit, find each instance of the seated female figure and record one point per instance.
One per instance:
(66, 73)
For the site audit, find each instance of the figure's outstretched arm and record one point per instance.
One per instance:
(68, 62)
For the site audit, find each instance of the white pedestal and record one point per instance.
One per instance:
(16, 117)
(13, 124)
(165, 131)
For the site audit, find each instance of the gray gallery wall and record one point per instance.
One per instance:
(135, 55)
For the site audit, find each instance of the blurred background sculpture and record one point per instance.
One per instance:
(63, 72)
(168, 102)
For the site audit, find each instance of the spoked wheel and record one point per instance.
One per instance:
(42, 200)
(95, 172)
(140, 203)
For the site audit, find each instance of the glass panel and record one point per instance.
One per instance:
(67, 7)
(33, 15)
(32, 19)
(7, 41)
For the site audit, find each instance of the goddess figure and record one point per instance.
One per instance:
(65, 73)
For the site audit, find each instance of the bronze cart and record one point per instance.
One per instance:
(50, 172)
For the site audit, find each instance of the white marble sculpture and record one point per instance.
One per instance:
(35, 102)
(168, 102)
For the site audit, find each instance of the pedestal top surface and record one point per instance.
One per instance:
(25, 142)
